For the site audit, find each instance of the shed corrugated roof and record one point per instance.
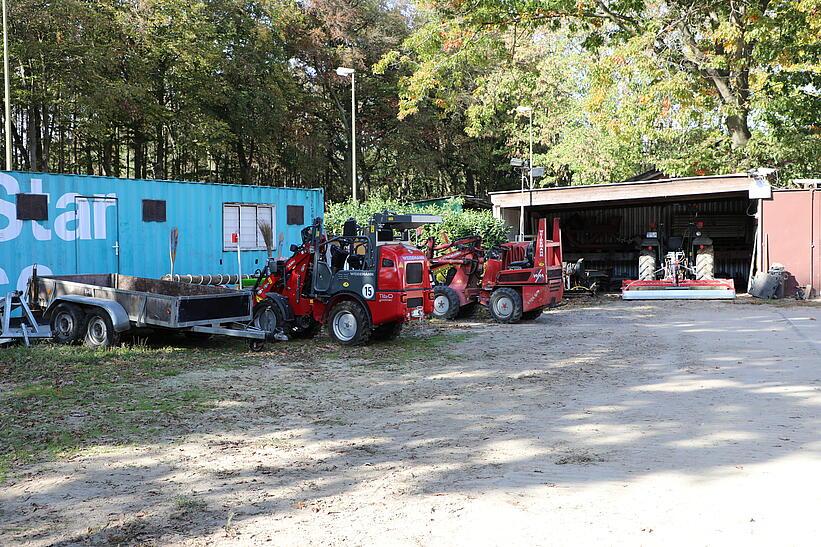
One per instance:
(703, 186)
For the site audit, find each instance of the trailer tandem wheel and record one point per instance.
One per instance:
(99, 330)
(66, 323)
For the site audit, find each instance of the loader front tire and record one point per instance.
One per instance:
(647, 265)
(349, 324)
(505, 305)
(705, 263)
(445, 303)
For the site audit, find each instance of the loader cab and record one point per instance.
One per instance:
(401, 264)
(360, 260)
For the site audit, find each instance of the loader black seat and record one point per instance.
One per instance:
(338, 257)
(528, 260)
(350, 229)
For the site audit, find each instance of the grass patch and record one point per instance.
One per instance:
(58, 399)
(188, 504)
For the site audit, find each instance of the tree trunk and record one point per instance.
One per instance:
(739, 129)
(139, 157)
(244, 162)
(159, 158)
(470, 182)
(33, 132)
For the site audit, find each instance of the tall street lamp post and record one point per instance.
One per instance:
(8, 88)
(344, 71)
(529, 111)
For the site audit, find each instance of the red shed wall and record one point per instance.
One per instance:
(791, 235)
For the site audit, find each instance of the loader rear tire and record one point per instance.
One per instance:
(505, 305)
(349, 324)
(705, 263)
(647, 265)
(445, 303)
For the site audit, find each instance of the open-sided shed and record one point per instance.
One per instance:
(604, 223)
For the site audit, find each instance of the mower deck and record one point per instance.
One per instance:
(664, 289)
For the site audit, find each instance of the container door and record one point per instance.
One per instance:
(97, 235)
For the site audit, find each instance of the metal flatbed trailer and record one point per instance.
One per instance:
(98, 308)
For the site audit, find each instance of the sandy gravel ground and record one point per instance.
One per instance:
(612, 423)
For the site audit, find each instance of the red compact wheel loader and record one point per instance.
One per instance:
(361, 285)
(457, 268)
(514, 281)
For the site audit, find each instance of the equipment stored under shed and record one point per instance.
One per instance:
(605, 224)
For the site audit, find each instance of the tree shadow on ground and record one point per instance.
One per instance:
(608, 393)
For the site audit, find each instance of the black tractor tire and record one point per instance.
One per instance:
(532, 315)
(349, 324)
(99, 331)
(705, 263)
(505, 305)
(445, 303)
(388, 331)
(268, 317)
(67, 321)
(647, 265)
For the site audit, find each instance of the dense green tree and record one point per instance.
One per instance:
(689, 86)
(246, 90)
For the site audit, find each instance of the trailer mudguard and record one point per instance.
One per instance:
(118, 315)
(282, 303)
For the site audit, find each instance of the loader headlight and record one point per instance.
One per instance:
(698, 234)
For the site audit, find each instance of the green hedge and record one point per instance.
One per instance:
(455, 223)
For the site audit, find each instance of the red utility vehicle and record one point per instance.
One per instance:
(362, 286)
(514, 281)
(458, 267)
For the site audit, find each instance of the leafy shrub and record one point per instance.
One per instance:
(455, 223)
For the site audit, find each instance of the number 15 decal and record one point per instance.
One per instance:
(367, 291)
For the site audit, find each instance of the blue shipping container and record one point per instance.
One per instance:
(70, 224)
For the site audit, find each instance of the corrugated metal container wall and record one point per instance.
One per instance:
(96, 225)
(791, 223)
(634, 220)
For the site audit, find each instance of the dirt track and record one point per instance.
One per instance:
(612, 423)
